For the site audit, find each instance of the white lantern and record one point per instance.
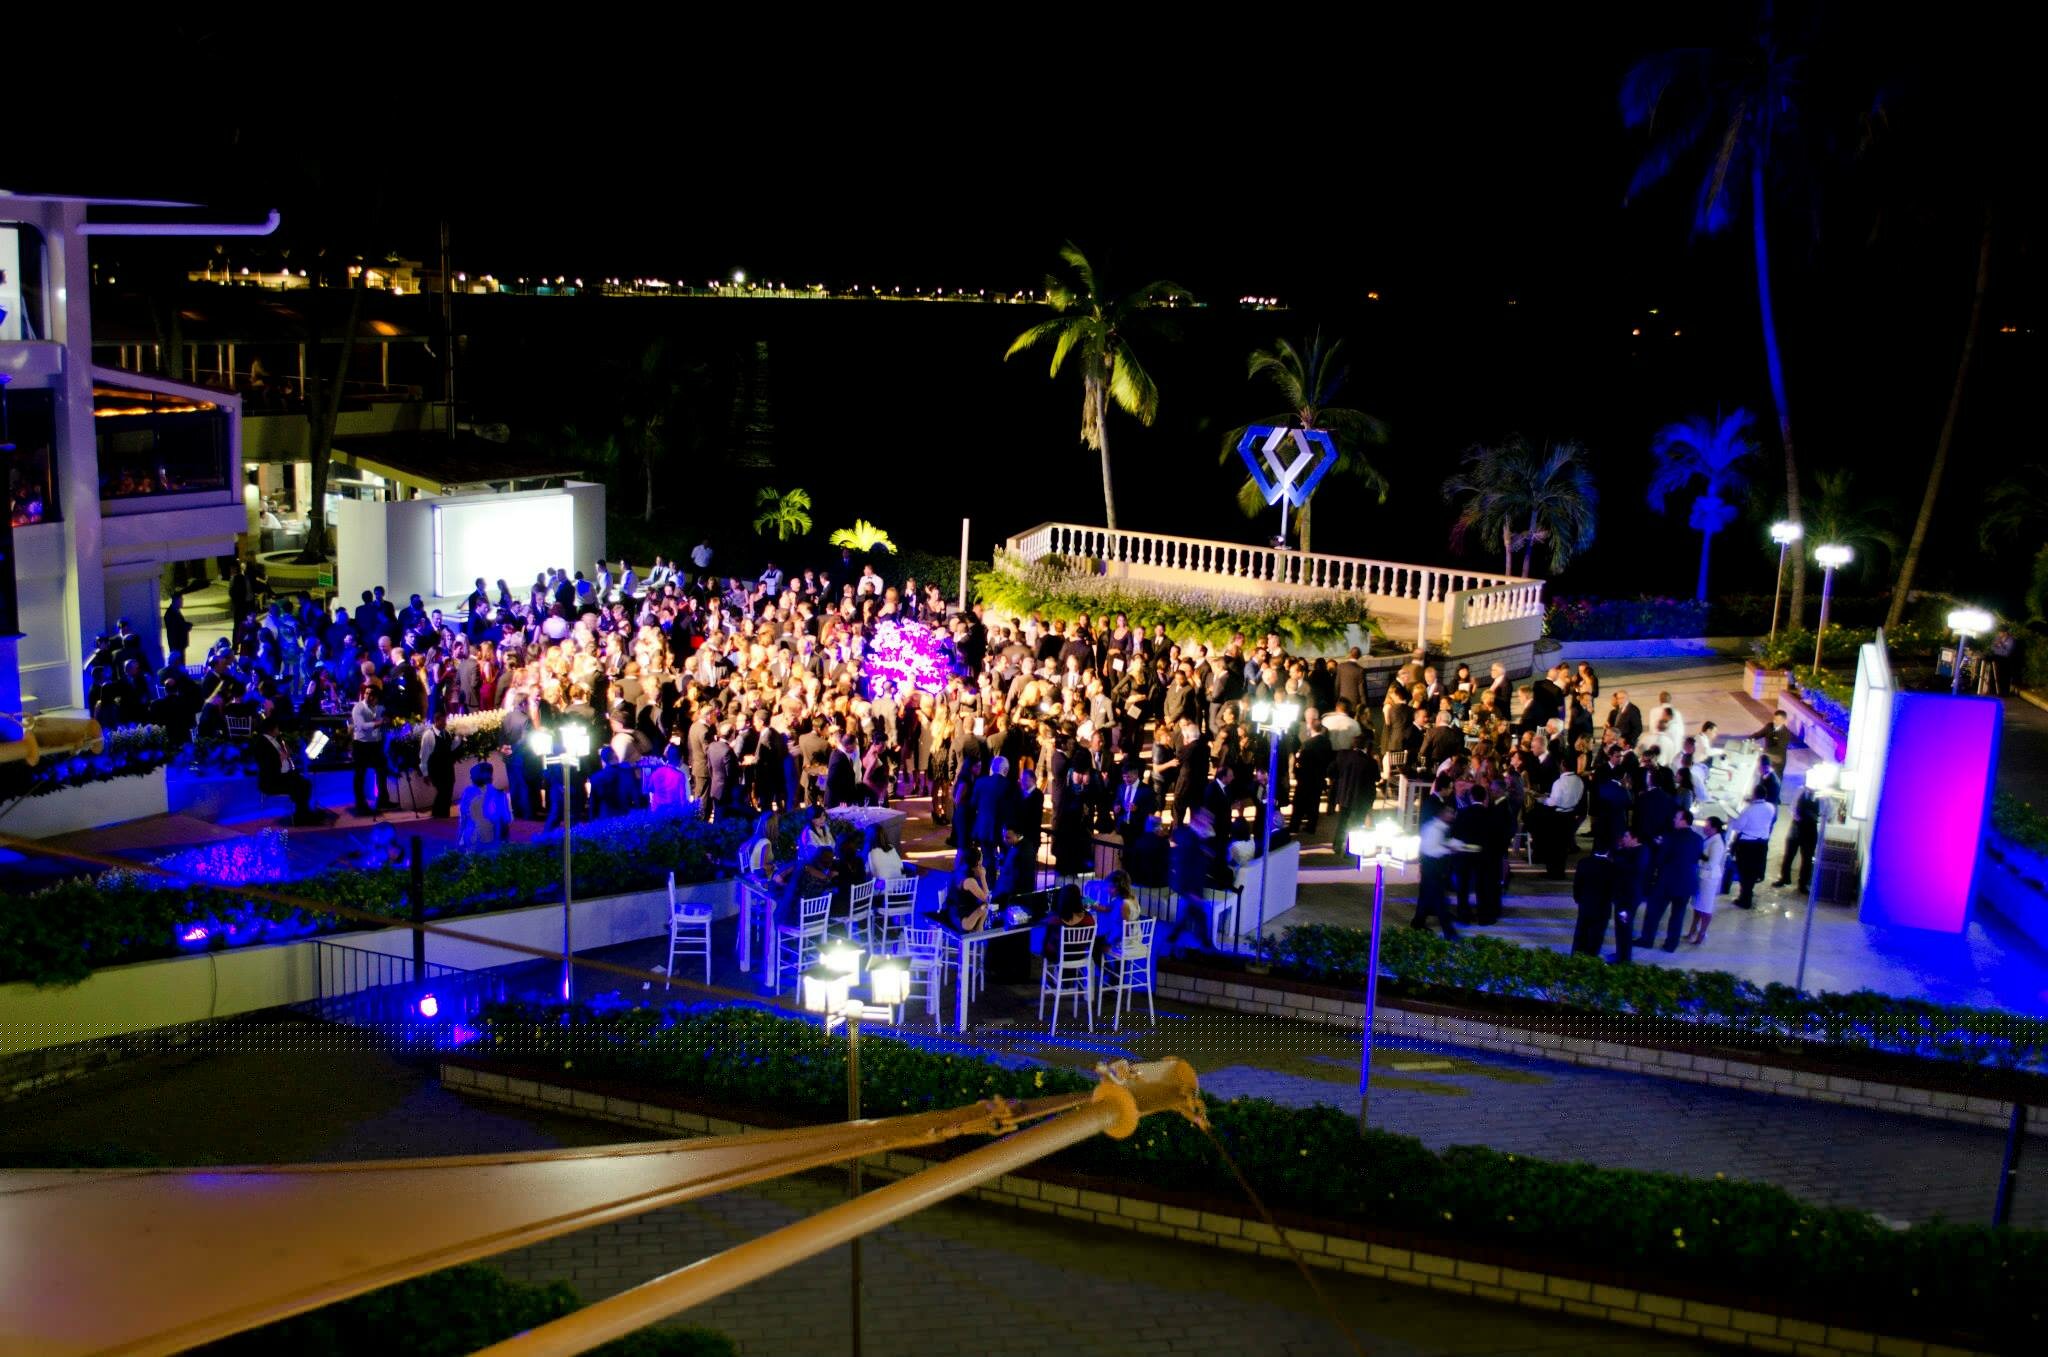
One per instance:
(1971, 622)
(826, 990)
(1784, 534)
(841, 957)
(889, 982)
(1262, 713)
(541, 743)
(1285, 714)
(1833, 555)
(576, 740)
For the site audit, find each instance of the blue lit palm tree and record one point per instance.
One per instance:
(1096, 328)
(1310, 378)
(1742, 106)
(1715, 450)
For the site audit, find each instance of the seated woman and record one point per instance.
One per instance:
(1069, 910)
(966, 904)
(1113, 899)
(817, 833)
(816, 878)
(885, 863)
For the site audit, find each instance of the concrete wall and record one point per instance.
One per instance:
(150, 994)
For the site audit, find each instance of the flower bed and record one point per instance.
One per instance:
(59, 935)
(1624, 619)
(1489, 973)
(1932, 1279)
(129, 751)
(1058, 589)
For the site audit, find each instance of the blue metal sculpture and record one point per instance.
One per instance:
(1288, 482)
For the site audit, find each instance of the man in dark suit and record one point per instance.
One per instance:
(1502, 690)
(1193, 772)
(842, 775)
(1311, 772)
(1546, 700)
(1612, 809)
(1443, 743)
(1801, 840)
(1777, 740)
(1350, 677)
(1625, 719)
(1604, 888)
(611, 786)
(1673, 878)
(277, 771)
(697, 744)
(995, 808)
(1134, 803)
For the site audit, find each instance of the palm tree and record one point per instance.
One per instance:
(863, 536)
(787, 515)
(1310, 378)
(1526, 496)
(1716, 451)
(1839, 514)
(1099, 326)
(654, 406)
(1743, 105)
(2015, 507)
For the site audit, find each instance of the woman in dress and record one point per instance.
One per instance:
(1712, 865)
(966, 906)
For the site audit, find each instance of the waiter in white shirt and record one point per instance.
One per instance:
(1752, 834)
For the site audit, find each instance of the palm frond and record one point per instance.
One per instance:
(1045, 329)
(1130, 386)
(1084, 272)
(862, 536)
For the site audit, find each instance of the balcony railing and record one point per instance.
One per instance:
(1489, 598)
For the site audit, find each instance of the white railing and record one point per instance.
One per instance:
(1501, 603)
(1498, 597)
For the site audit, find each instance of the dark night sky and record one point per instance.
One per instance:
(1452, 161)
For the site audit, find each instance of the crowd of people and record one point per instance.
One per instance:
(720, 696)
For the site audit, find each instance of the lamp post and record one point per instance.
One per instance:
(1784, 534)
(1383, 845)
(1968, 624)
(1276, 719)
(1830, 557)
(828, 989)
(566, 746)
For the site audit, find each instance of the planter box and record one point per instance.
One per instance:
(2012, 881)
(143, 995)
(1540, 1039)
(92, 806)
(1476, 1270)
(1765, 685)
(1812, 729)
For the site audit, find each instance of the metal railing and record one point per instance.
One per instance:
(1308, 570)
(362, 988)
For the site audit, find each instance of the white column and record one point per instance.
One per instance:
(78, 457)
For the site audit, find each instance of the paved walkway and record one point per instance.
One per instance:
(957, 1278)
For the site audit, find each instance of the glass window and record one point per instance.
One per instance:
(23, 308)
(28, 420)
(152, 444)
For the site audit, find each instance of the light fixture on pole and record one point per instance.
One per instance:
(1276, 719)
(1784, 534)
(1830, 557)
(828, 989)
(566, 747)
(1382, 845)
(1968, 624)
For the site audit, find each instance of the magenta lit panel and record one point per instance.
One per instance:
(1932, 810)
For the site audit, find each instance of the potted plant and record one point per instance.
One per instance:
(1767, 672)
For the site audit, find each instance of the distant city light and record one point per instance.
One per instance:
(739, 276)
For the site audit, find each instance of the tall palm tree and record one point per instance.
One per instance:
(1097, 326)
(655, 411)
(1743, 105)
(1526, 496)
(1713, 450)
(786, 516)
(1310, 378)
(2015, 507)
(1839, 513)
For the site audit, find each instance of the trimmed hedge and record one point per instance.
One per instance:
(1063, 589)
(448, 1314)
(59, 935)
(1485, 972)
(1934, 1278)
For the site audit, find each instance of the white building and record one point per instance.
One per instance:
(114, 475)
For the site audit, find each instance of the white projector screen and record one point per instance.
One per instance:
(501, 538)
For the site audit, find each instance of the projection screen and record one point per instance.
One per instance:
(511, 538)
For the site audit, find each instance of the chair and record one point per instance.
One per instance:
(689, 932)
(1127, 967)
(929, 949)
(1072, 972)
(899, 906)
(860, 913)
(1222, 907)
(797, 944)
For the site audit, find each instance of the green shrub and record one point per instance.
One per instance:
(1621, 619)
(1063, 589)
(448, 1314)
(1493, 973)
(59, 935)
(2019, 821)
(1747, 1236)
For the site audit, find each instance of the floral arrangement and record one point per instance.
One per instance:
(909, 655)
(1309, 621)
(127, 751)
